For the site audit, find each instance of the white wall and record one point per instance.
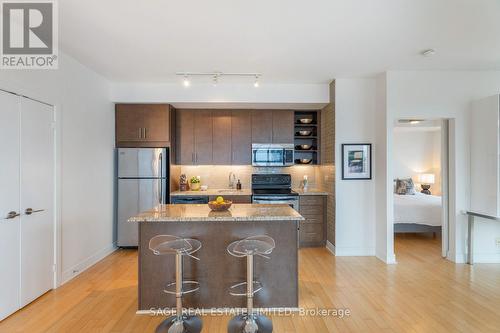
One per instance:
(86, 141)
(416, 151)
(313, 94)
(450, 95)
(355, 122)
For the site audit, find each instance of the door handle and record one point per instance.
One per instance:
(11, 215)
(160, 183)
(145, 133)
(30, 211)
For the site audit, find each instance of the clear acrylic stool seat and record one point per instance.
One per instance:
(173, 245)
(263, 246)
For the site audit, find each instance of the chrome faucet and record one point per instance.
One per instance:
(232, 179)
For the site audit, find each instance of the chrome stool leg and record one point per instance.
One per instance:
(249, 322)
(180, 323)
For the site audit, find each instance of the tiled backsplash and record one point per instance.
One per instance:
(217, 176)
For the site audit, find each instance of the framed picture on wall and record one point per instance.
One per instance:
(356, 161)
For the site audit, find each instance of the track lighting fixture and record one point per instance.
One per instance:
(217, 75)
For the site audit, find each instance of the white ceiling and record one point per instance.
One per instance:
(294, 41)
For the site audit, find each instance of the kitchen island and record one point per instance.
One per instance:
(217, 270)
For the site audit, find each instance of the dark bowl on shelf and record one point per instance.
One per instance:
(304, 160)
(304, 132)
(304, 147)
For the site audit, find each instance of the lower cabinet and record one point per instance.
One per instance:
(234, 198)
(312, 231)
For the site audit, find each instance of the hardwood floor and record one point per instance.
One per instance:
(422, 293)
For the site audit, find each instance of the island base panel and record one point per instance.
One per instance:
(217, 270)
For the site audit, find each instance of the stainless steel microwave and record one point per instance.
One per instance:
(272, 154)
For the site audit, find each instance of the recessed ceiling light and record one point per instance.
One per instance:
(428, 52)
(186, 81)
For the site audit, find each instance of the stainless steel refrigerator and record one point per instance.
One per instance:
(143, 183)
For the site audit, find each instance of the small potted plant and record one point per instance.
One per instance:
(194, 183)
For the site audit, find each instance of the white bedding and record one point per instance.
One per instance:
(419, 208)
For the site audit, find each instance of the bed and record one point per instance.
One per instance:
(417, 213)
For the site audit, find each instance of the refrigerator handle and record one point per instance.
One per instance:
(160, 183)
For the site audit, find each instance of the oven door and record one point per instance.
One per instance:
(292, 201)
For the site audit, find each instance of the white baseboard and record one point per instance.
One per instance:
(85, 264)
(354, 251)
(330, 247)
(389, 259)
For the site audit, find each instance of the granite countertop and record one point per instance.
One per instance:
(310, 191)
(202, 213)
(215, 191)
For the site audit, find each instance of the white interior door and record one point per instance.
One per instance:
(37, 194)
(9, 201)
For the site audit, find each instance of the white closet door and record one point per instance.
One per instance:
(37, 193)
(9, 201)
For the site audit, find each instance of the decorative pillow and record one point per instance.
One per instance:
(405, 187)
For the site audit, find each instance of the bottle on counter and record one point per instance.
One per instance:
(238, 185)
(305, 183)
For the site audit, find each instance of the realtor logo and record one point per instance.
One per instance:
(29, 35)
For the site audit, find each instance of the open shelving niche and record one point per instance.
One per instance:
(313, 139)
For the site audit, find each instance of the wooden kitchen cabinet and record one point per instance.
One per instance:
(272, 126)
(283, 126)
(185, 137)
(225, 137)
(312, 232)
(241, 137)
(194, 137)
(262, 126)
(203, 132)
(143, 125)
(222, 143)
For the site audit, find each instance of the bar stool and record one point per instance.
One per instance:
(250, 322)
(167, 245)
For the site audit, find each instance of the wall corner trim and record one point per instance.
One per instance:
(330, 247)
(79, 268)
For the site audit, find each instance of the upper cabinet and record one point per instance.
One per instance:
(241, 137)
(262, 126)
(184, 137)
(194, 137)
(272, 126)
(221, 139)
(143, 125)
(283, 126)
(203, 131)
(224, 137)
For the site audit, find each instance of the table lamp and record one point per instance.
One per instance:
(426, 179)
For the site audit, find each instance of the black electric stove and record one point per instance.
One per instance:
(272, 184)
(274, 189)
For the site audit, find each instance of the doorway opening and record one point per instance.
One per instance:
(420, 173)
